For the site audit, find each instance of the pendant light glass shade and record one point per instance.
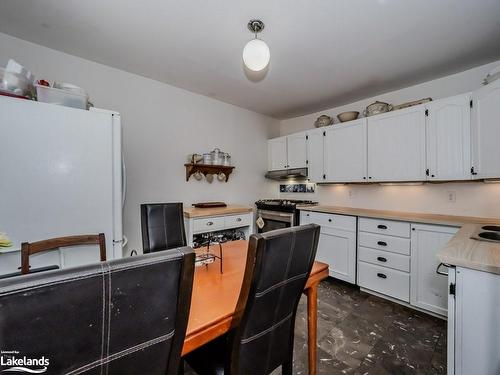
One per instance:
(256, 55)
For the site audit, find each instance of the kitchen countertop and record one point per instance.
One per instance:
(463, 251)
(415, 217)
(193, 212)
(460, 251)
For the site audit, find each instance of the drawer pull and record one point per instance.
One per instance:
(381, 226)
(238, 219)
(210, 223)
(382, 243)
(382, 259)
(382, 276)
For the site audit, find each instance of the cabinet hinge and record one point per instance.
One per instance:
(427, 112)
(452, 289)
(471, 103)
(427, 172)
(307, 137)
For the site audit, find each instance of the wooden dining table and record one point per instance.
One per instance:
(215, 295)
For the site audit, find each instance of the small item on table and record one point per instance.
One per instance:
(209, 204)
(43, 82)
(5, 241)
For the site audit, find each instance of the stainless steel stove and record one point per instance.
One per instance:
(278, 213)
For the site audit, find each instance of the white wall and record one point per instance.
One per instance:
(474, 199)
(161, 126)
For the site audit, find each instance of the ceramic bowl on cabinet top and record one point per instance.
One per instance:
(348, 116)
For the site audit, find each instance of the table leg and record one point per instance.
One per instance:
(312, 327)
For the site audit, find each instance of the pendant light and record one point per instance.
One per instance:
(256, 53)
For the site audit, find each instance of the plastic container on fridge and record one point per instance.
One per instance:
(62, 97)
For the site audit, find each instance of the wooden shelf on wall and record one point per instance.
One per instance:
(207, 169)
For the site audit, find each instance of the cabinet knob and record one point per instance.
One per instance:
(329, 220)
(238, 219)
(382, 276)
(382, 243)
(364, 178)
(369, 178)
(382, 259)
(381, 226)
(210, 223)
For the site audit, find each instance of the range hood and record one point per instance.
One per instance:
(286, 174)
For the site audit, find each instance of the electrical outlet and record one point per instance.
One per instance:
(452, 196)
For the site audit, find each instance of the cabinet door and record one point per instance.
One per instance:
(345, 152)
(486, 131)
(276, 153)
(396, 145)
(297, 150)
(477, 327)
(337, 248)
(428, 289)
(315, 157)
(448, 139)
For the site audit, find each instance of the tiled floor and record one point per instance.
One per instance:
(362, 334)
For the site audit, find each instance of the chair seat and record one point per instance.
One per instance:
(210, 358)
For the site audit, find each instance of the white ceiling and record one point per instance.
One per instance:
(324, 53)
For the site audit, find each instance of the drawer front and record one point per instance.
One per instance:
(384, 280)
(235, 221)
(390, 227)
(384, 258)
(332, 220)
(208, 224)
(386, 243)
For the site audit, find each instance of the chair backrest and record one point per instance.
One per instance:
(30, 248)
(162, 226)
(278, 266)
(126, 316)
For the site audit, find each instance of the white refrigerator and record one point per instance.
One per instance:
(60, 175)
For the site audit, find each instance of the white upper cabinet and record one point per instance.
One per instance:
(345, 152)
(276, 153)
(448, 139)
(486, 131)
(297, 150)
(396, 145)
(315, 157)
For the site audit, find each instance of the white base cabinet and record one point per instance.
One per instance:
(474, 328)
(429, 289)
(399, 260)
(337, 243)
(209, 224)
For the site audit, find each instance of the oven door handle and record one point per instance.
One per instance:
(278, 216)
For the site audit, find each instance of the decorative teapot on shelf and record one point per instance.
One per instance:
(323, 120)
(377, 108)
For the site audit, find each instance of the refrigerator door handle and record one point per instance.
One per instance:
(124, 181)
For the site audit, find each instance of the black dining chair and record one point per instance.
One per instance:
(162, 226)
(125, 316)
(262, 332)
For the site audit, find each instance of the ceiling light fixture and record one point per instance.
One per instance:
(256, 53)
